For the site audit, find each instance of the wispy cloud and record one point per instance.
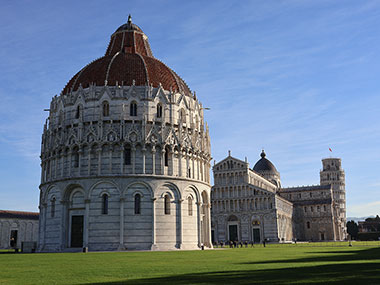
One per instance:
(367, 209)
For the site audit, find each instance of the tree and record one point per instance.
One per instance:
(352, 229)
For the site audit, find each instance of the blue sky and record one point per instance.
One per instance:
(294, 77)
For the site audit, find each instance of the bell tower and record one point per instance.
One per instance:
(333, 174)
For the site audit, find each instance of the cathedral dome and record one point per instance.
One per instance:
(124, 144)
(264, 165)
(128, 61)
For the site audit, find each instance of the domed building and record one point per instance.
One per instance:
(125, 156)
(250, 204)
(266, 169)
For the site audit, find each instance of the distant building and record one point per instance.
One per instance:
(370, 225)
(17, 227)
(250, 204)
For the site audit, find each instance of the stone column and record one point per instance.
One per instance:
(121, 160)
(89, 161)
(153, 223)
(208, 220)
(199, 205)
(121, 245)
(42, 171)
(63, 226)
(110, 159)
(180, 162)
(188, 174)
(99, 152)
(133, 150)
(86, 222)
(193, 170)
(55, 166)
(163, 161)
(171, 163)
(51, 159)
(62, 164)
(180, 223)
(201, 168)
(153, 160)
(143, 150)
(42, 226)
(197, 168)
(80, 152)
(70, 162)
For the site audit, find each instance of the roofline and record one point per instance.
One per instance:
(233, 158)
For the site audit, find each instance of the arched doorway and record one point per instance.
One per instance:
(256, 231)
(75, 219)
(233, 228)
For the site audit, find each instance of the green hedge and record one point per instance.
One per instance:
(369, 236)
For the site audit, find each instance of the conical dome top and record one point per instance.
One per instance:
(128, 61)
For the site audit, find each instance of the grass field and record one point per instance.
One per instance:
(274, 264)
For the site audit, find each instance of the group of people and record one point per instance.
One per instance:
(236, 244)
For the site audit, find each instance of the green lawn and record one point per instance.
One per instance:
(271, 265)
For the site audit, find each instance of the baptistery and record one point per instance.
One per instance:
(125, 156)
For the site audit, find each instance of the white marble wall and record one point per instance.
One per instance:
(121, 228)
(27, 230)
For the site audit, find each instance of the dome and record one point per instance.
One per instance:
(128, 61)
(123, 145)
(264, 165)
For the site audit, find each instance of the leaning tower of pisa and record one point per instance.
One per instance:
(333, 174)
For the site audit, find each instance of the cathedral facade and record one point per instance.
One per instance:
(250, 204)
(125, 156)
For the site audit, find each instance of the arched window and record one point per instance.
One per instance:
(60, 117)
(52, 209)
(106, 109)
(127, 156)
(137, 204)
(167, 156)
(104, 204)
(133, 109)
(159, 110)
(182, 115)
(308, 225)
(190, 206)
(76, 157)
(167, 205)
(78, 112)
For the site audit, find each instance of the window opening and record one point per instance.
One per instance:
(105, 204)
(137, 204)
(167, 205)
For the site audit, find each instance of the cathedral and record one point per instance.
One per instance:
(125, 156)
(250, 204)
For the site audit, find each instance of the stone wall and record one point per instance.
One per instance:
(121, 227)
(27, 231)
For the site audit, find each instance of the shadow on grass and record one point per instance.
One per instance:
(335, 273)
(331, 256)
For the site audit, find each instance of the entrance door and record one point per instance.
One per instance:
(322, 236)
(76, 231)
(13, 240)
(256, 235)
(233, 232)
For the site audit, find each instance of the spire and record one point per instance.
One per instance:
(262, 153)
(129, 22)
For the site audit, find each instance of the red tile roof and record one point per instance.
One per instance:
(128, 58)
(19, 215)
